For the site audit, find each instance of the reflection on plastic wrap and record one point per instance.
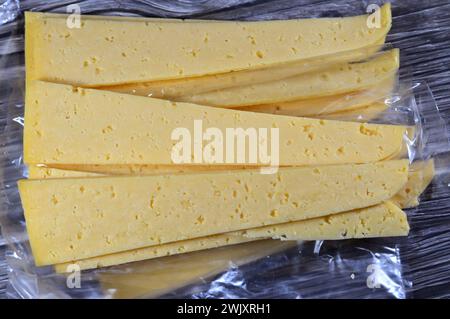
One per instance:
(331, 269)
(248, 270)
(155, 277)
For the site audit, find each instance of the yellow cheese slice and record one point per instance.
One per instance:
(420, 176)
(382, 220)
(85, 126)
(114, 51)
(334, 80)
(174, 89)
(152, 278)
(328, 104)
(76, 218)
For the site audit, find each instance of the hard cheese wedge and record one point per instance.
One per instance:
(76, 218)
(334, 80)
(174, 89)
(85, 126)
(152, 278)
(382, 220)
(114, 51)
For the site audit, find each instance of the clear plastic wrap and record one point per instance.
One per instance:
(370, 268)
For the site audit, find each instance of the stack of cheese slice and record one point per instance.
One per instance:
(258, 66)
(103, 188)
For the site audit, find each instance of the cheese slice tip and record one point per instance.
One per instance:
(384, 220)
(420, 176)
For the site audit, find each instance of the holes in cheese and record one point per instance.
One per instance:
(85, 126)
(382, 220)
(76, 218)
(334, 80)
(103, 51)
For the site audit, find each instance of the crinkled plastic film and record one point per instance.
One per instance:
(259, 269)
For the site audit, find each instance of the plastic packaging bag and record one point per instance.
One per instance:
(352, 268)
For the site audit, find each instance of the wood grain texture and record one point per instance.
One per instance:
(415, 267)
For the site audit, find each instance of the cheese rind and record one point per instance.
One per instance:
(76, 218)
(104, 52)
(85, 126)
(384, 220)
(334, 80)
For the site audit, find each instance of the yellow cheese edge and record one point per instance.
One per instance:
(337, 79)
(60, 171)
(382, 220)
(42, 172)
(324, 105)
(156, 251)
(363, 114)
